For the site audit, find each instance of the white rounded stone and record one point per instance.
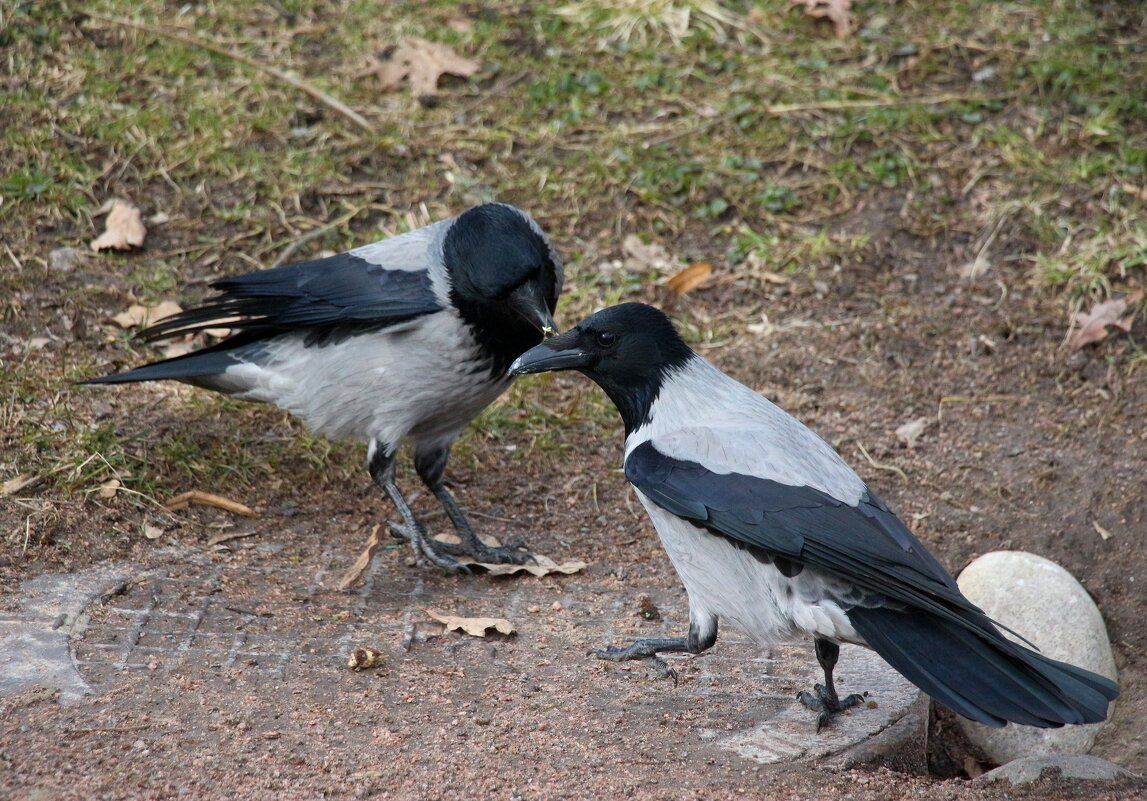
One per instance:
(1045, 604)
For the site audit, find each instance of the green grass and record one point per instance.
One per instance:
(743, 140)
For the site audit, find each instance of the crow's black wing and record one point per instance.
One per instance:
(327, 298)
(865, 544)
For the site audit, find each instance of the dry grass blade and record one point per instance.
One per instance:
(888, 468)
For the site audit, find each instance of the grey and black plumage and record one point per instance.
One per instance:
(408, 338)
(770, 529)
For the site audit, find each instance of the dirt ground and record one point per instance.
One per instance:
(1028, 448)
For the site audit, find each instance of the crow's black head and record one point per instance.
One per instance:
(628, 350)
(504, 276)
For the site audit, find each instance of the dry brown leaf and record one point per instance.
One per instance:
(145, 315)
(123, 229)
(838, 11)
(176, 349)
(183, 500)
(641, 257)
(355, 571)
(474, 626)
(691, 277)
(152, 532)
(1089, 327)
(541, 566)
(911, 431)
(422, 63)
(109, 488)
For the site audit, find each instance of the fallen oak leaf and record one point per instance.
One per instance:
(123, 229)
(1090, 327)
(421, 63)
(474, 626)
(691, 277)
(139, 315)
(839, 12)
(541, 566)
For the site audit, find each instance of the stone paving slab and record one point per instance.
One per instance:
(196, 615)
(35, 650)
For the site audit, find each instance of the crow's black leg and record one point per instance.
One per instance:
(430, 464)
(824, 699)
(700, 638)
(380, 461)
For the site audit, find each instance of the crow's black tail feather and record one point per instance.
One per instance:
(981, 675)
(197, 367)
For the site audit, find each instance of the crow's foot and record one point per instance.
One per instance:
(827, 703)
(647, 650)
(424, 551)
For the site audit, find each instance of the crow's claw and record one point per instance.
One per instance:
(827, 703)
(424, 550)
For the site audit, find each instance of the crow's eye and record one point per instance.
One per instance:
(606, 339)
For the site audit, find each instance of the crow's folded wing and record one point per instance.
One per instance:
(326, 297)
(863, 543)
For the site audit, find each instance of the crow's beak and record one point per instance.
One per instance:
(557, 353)
(530, 303)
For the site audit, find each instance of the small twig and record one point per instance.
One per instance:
(290, 249)
(889, 468)
(12, 256)
(185, 499)
(286, 77)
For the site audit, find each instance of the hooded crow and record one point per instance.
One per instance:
(406, 338)
(770, 529)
